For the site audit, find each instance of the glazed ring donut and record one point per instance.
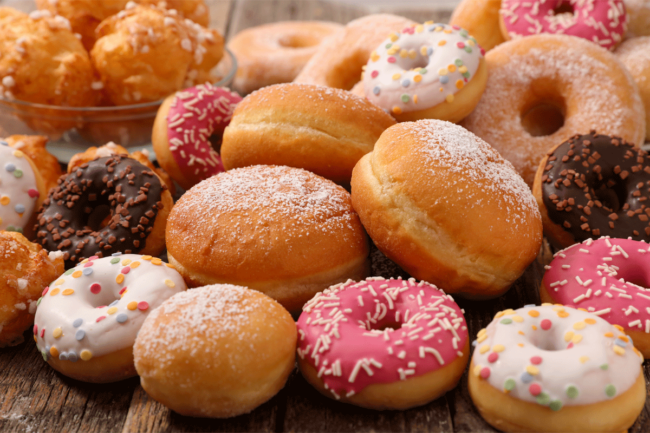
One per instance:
(601, 22)
(556, 369)
(429, 71)
(481, 19)
(183, 126)
(544, 89)
(276, 53)
(633, 53)
(136, 200)
(382, 344)
(594, 185)
(87, 320)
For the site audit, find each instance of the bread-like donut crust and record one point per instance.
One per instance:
(635, 55)
(481, 19)
(639, 13)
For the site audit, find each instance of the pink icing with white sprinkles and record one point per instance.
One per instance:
(346, 333)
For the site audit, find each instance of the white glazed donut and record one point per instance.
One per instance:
(87, 320)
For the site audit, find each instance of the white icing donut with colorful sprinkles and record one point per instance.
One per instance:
(19, 192)
(96, 309)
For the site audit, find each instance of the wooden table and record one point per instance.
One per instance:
(34, 398)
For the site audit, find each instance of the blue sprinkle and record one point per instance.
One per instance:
(72, 356)
(530, 305)
(80, 335)
(444, 79)
(526, 378)
(63, 356)
(87, 271)
(114, 303)
(10, 167)
(47, 350)
(116, 254)
(121, 318)
(78, 322)
(4, 143)
(474, 343)
(620, 343)
(376, 90)
(406, 83)
(19, 208)
(429, 51)
(431, 28)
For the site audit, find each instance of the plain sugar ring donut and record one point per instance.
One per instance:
(607, 277)
(481, 19)
(556, 369)
(635, 55)
(87, 320)
(183, 126)
(276, 53)
(601, 22)
(382, 344)
(429, 71)
(544, 89)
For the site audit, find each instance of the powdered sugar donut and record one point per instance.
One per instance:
(182, 129)
(556, 369)
(87, 320)
(426, 71)
(382, 344)
(599, 21)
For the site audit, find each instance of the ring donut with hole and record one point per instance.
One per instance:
(87, 320)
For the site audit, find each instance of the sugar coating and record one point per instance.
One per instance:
(635, 55)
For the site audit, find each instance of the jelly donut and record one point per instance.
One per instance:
(608, 277)
(216, 351)
(442, 204)
(601, 22)
(184, 124)
(556, 369)
(430, 71)
(383, 344)
(635, 55)
(276, 53)
(638, 11)
(112, 204)
(544, 89)
(22, 190)
(594, 185)
(481, 19)
(87, 320)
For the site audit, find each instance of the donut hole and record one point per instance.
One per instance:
(347, 73)
(407, 63)
(612, 197)
(549, 343)
(390, 325)
(565, 8)
(99, 217)
(295, 41)
(543, 119)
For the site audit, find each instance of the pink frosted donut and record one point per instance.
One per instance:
(382, 344)
(603, 22)
(184, 124)
(607, 277)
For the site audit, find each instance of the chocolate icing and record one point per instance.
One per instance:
(595, 185)
(130, 191)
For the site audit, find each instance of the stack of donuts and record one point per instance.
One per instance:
(457, 158)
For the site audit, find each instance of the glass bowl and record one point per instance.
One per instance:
(73, 129)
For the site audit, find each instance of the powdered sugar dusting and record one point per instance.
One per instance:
(635, 55)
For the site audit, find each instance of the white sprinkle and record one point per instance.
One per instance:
(603, 311)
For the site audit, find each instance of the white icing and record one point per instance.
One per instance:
(17, 182)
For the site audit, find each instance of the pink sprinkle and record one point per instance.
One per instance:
(391, 59)
(123, 290)
(493, 357)
(100, 318)
(455, 27)
(42, 332)
(45, 290)
(87, 265)
(90, 259)
(460, 45)
(535, 389)
(536, 360)
(103, 306)
(33, 193)
(570, 345)
(125, 270)
(546, 324)
(143, 305)
(482, 51)
(35, 329)
(374, 74)
(485, 372)
(96, 288)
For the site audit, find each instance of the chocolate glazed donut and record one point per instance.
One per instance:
(594, 185)
(73, 218)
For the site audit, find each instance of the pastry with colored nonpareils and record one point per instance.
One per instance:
(555, 369)
(182, 130)
(433, 71)
(594, 185)
(383, 344)
(635, 55)
(34, 146)
(481, 19)
(87, 319)
(111, 204)
(216, 351)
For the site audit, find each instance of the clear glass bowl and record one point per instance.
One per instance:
(73, 129)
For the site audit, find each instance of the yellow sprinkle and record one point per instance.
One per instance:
(119, 279)
(534, 328)
(579, 325)
(397, 110)
(392, 50)
(462, 69)
(403, 53)
(54, 351)
(442, 43)
(374, 57)
(59, 282)
(442, 71)
(509, 312)
(413, 54)
(86, 355)
(35, 339)
(470, 42)
(518, 319)
(132, 305)
(484, 349)
(170, 266)
(451, 68)
(562, 314)
(460, 84)
(582, 309)
(439, 29)
(55, 292)
(450, 98)
(428, 23)
(147, 257)
(558, 308)
(590, 321)
(620, 328)
(83, 261)
(112, 310)
(415, 99)
(481, 338)
(67, 292)
(134, 265)
(520, 344)
(532, 370)
(18, 154)
(419, 28)
(77, 274)
(609, 334)
(498, 348)
(423, 50)
(584, 359)
(123, 293)
(126, 262)
(156, 261)
(568, 336)
(57, 333)
(624, 338)
(637, 351)
(576, 339)
(477, 370)
(546, 304)
(521, 332)
(619, 350)
(533, 313)
(397, 76)
(393, 37)
(170, 283)
(481, 332)
(448, 31)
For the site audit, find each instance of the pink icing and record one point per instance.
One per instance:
(341, 333)
(196, 114)
(601, 21)
(601, 276)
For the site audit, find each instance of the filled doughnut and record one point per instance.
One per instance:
(276, 53)
(216, 351)
(594, 185)
(544, 89)
(283, 231)
(481, 19)
(442, 204)
(432, 71)
(635, 55)
(556, 369)
(87, 320)
(323, 130)
(383, 344)
(109, 205)
(34, 146)
(638, 11)
(184, 124)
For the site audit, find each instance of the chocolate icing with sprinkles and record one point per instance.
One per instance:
(132, 193)
(595, 185)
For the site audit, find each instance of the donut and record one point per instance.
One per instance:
(25, 270)
(34, 146)
(382, 344)
(276, 53)
(555, 369)
(87, 319)
(593, 185)
(112, 204)
(430, 71)
(339, 60)
(22, 190)
(638, 12)
(444, 206)
(283, 231)
(635, 55)
(184, 124)
(216, 351)
(544, 89)
(481, 19)
(323, 130)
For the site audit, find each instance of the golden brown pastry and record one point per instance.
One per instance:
(634, 53)
(34, 146)
(481, 19)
